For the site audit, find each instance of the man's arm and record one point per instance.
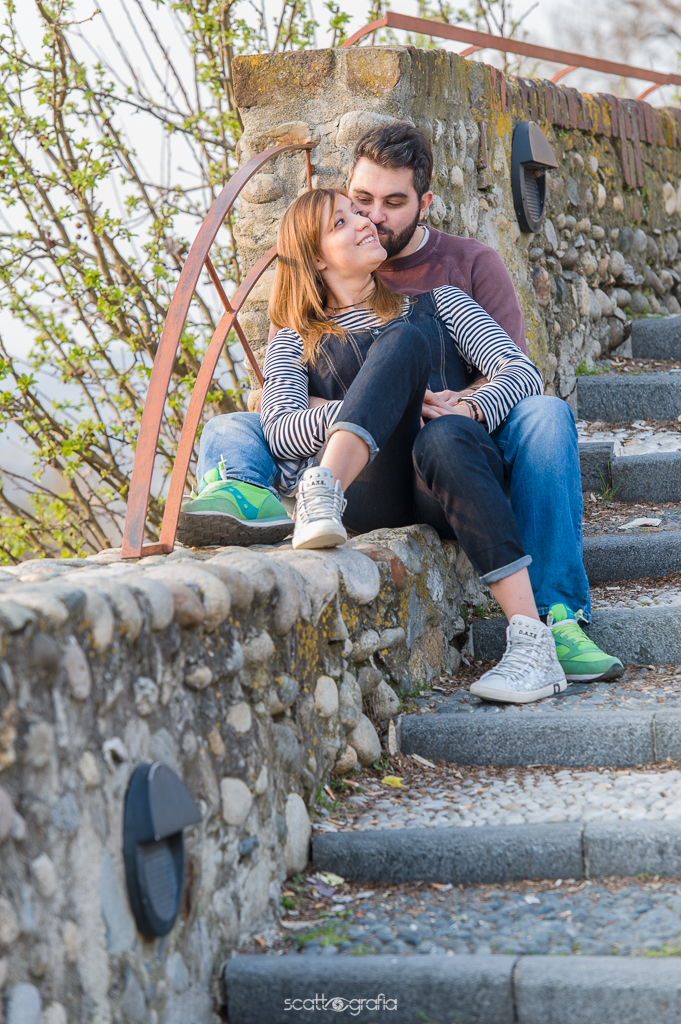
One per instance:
(492, 288)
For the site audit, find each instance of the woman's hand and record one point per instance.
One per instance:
(444, 403)
(313, 402)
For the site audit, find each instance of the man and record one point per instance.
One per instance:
(238, 501)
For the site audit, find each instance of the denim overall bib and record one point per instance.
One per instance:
(340, 360)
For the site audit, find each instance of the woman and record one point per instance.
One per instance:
(349, 379)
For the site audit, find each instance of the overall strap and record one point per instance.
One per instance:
(424, 304)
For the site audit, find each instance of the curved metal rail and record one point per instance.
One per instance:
(143, 467)
(482, 40)
(563, 72)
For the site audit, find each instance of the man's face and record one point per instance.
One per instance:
(389, 199)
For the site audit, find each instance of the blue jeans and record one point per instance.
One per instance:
(538, 444)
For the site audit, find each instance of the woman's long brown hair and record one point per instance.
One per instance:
(299, 293)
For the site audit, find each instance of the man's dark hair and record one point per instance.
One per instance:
(394, 145)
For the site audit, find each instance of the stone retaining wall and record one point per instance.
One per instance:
(609, 248)
(253, 674)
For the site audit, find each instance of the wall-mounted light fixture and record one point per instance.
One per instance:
(531, 154)
(158, 806)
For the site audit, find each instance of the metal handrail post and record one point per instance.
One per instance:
(197, 401)
(152, 416)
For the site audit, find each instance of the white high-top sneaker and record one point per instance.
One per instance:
(319, 507)
(529, 669)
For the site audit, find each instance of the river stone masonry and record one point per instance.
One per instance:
(609, 248)
(252, 673)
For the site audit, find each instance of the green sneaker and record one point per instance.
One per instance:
(232, 512)
(579, 657)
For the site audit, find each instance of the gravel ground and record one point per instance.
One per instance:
(649, 590)
(636, 366)
(611, 916)
(613, 517)
(448, 798)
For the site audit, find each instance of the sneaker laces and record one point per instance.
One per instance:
(518, 657)
(571, 630)
(318, 499)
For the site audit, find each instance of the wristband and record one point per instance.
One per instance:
(473, 407)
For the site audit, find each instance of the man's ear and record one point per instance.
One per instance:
(426, 200)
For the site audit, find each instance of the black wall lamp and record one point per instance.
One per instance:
(531, 154)
(158, 806)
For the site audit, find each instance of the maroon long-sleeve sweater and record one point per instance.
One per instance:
(476, 269)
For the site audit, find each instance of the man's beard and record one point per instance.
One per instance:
(394, 244)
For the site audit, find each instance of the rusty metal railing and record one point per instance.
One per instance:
(145, 454)
(484, 41)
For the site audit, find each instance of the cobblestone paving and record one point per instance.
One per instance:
(617, 916)
(509, 796)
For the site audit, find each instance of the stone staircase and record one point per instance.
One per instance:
(608, 807)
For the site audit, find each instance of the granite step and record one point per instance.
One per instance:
(618, 398)
(656, 338)
(637, 636)
(595, 459)
(650, 476)
(493, 854)
(632, 556)
(475, 989)
(569, 739)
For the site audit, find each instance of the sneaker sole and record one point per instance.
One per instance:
(515, 696)
(614, 672)
(322, 540)
(207, 529)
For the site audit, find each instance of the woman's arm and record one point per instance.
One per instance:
(292, 430)
(510, 374)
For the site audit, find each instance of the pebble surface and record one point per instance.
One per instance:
(567, 918)
(634, 594)
(510, 797)
(623, 597)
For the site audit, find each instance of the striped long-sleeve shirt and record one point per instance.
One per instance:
(295, 433)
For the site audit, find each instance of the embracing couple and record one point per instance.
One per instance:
(398, 390)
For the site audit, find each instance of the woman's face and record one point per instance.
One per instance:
(350, 244)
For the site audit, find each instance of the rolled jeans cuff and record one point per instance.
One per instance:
(353, 428)
(507, 570)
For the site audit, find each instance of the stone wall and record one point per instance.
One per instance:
(253, 674)
(609, 248)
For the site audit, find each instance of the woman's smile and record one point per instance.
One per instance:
(347, 230)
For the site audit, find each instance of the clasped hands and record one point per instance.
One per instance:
(446, 403)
